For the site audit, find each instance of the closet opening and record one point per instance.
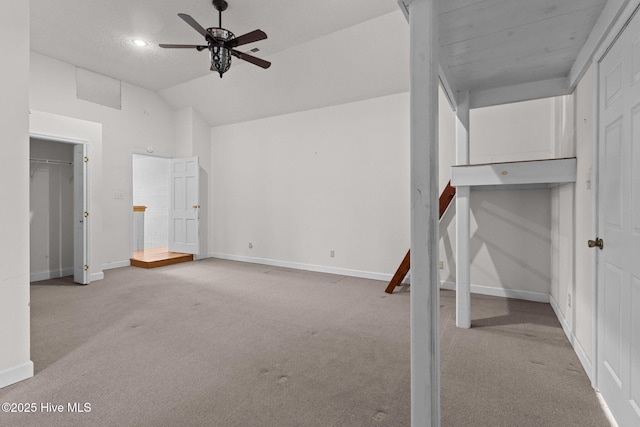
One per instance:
(58, 210)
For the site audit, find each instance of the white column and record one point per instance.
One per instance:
(463, 213)
(425, 328)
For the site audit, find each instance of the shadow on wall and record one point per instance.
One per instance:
(511, 239)
(510, 244)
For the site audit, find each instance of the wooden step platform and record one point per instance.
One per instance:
(158, 257)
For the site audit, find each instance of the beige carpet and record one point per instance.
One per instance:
(220, 343)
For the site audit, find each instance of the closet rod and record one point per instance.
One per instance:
(49, 161)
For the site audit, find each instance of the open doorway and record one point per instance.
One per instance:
(152, 202)
(58, 210)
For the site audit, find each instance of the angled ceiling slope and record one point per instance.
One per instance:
(97, 35)
(512, 50)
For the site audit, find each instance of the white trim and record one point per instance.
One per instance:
(575, 343)
(51, 274)
(55, 138)
(520, 92)
(500, 292)
(606, 410)
(16, 374)
(115, 264)
(623, 19)
(308, 267)
(595, 179)
(606, 25)
(96, 276)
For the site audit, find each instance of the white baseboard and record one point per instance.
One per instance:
(307, 267)
(96, 276)
(16, 374)
(52, 274)
(501, 292)
(116, 264)
(575, 343)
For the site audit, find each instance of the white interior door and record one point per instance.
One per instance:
(80, 215)
(618, 288)
(185, 208)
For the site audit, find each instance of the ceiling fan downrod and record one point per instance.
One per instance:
(221, 6)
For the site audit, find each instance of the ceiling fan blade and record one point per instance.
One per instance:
(194, 24)
(255, 61)
(184, 46)
(251, 37)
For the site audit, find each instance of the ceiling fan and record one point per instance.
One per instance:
(222, 42)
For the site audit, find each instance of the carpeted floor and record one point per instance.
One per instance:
(221, 343)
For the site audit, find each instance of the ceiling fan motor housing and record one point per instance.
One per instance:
(219, 55)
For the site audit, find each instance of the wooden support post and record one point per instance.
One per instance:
(425, 308)
(463, 213)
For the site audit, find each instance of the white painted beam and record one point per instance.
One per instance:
(425, 304)
(552, 171)
(609, 16)
(522, 92)
(444, 74)
(463, 221)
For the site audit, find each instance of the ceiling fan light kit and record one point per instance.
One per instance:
(221, 42)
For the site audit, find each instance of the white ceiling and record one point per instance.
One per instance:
(324, 52)
(96, 34)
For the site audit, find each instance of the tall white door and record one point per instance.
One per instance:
(618, 287)
(80, 215)
(185, 207)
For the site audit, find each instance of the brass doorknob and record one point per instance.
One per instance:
(598, 243)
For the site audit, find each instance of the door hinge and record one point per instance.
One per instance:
(86, 214)
(86, 267)
(86, 159)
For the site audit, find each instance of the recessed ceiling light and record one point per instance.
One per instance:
(140, 43)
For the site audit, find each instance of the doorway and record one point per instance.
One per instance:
(151, 195)
(165, 210)
(58, 210)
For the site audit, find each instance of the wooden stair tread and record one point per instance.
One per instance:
(158, 257)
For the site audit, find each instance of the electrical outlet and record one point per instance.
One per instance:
(441, 265)
(569, 300)
(250, 245)
(332, 254)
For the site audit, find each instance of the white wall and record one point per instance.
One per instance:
(151, 187)
(145, 120)
(301, 185)
(513, 132)
(14, 211)
(51, 209)
(572, 225)
(510, 229)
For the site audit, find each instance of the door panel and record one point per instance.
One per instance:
(185, 208)
(618, 287)
(81, 222)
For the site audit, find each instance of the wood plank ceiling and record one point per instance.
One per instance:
(495, 43)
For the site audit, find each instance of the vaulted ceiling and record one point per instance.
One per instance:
(323, 52)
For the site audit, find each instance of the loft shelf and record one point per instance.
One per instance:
(515, 175)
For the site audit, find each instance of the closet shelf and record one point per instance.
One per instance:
(515, 175)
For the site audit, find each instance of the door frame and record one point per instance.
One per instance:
(629, 12)
(147, 154)
(83, 201)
